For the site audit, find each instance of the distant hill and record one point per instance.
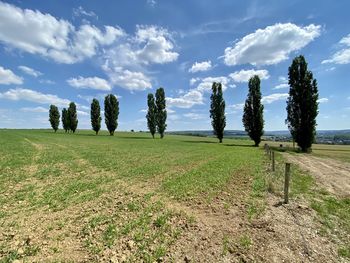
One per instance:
(323, 136)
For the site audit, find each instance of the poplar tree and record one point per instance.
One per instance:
(95, 115)
(253, 111)
(161, 113)
(151, 114)
(72, 117)
(65, 121)
(302, 105)
(111, 113)
(217, 111)
(54, 117)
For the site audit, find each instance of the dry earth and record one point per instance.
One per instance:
(331, 174)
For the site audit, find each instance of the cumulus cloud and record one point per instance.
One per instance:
(130, 80)
(245, 75)
(195, 96)
(274, 97)
(342, 56)
(322, 100)
(206, 84)
(270, 45)
(89, 83)
(33, 96)
(157, 45)
(200, 66)
(30, 71)
(188, 100)
(38, 33)
(7, 77)
(125, 63)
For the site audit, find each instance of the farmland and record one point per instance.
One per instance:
(124, 198)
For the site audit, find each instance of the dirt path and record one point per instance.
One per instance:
(330, 174)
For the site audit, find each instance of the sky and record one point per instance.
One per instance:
(54, 52)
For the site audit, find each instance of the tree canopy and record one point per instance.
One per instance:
(253, 121)
(111, 113)
(302, 105)
(217, 111)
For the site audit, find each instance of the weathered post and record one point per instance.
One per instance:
(286, 183)
(270, 153)
(273, 161)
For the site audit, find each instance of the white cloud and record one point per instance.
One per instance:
(238, 106)
(282, 86)
(282, 79)
(130, 80)
(8, 77)
(89, 83)
(270, 45)
(274, 97)
(207, 83)
(125, 63)
(34, 109)
(195, 96)
(191, 98)
(342, 56)
(43, 34)
(200, 66)
(33, 96)
(30, 71)
(80, 11)
(245, 75)
(152, 3)
(195, 116)
(322, 100)
(194, 80)
(82, 113)
(157, 45)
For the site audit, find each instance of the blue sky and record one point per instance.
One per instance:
(54, 52)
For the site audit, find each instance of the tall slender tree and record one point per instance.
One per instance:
(65, 120)
(151, 114)
(54, 117)
(95, 115)
(72, 117)
(302, 105)
(253, 111)
(217, 111)
(111, 113)
(161, 114)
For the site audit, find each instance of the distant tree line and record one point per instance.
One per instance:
(70, 117)
(302, 109)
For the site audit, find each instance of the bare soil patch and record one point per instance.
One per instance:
(331, 174)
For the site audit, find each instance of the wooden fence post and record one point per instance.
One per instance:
(273, 161)
(286, 183)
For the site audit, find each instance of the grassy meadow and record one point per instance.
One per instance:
(81, 197)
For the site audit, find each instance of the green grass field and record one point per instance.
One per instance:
(68, 197)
